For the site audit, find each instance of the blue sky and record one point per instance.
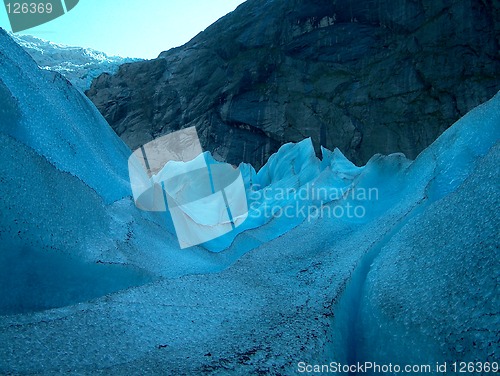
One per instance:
(130, 28)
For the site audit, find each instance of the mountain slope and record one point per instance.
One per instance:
(66, 215)
(366, 77)
(79, 65)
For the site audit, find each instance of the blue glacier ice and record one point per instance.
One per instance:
(95, 285)
(66, 198)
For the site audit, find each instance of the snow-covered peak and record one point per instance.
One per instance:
(79, 65)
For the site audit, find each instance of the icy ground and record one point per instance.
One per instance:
(79, 65)
(414, 280)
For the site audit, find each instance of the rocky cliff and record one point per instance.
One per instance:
(366, 76)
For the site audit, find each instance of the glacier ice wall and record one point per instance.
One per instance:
(60, 124)
(431, 294)
(65, 195)
(427, 292)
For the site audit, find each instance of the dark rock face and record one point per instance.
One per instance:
(366, 76)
